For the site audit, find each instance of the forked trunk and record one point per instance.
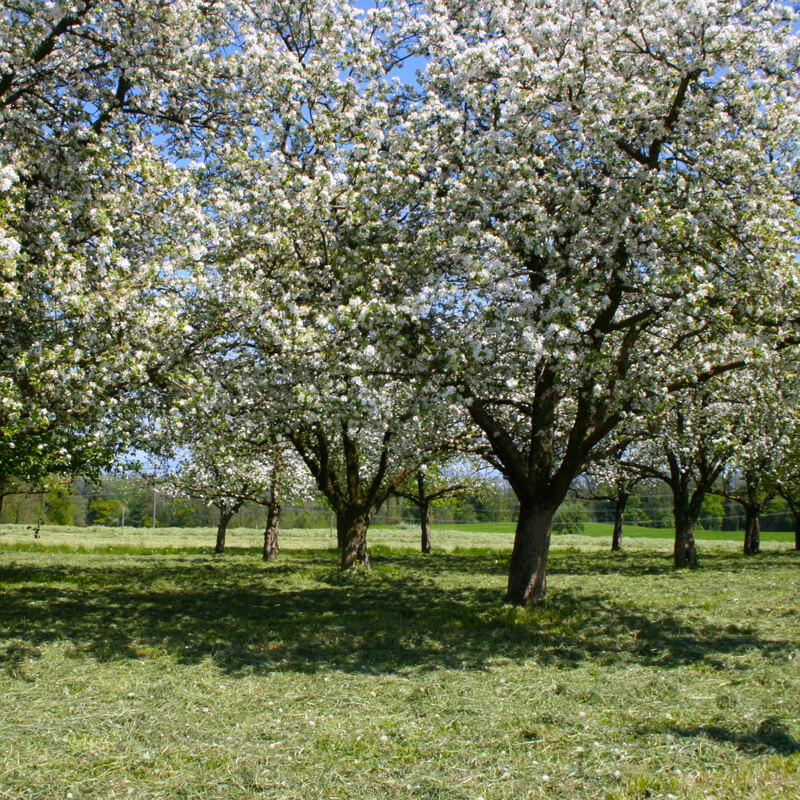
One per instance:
(352, 531)
(527, 573)
(222, 529)
(752, 530)
(619, 519)
(685, 550)
(425, 525)
(271, 531)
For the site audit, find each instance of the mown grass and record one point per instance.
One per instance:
(446, 538)
(185, 675)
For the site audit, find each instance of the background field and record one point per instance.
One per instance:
(130, 673)
(446, 538)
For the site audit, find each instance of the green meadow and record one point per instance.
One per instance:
(140, 665)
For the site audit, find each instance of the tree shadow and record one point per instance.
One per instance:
(771, 736)
(641, 563)
(305, 615)
(571, 561)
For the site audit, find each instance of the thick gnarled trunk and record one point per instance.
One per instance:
(351, 529)
(685, 514)
(685, 549)
(527, 573)
(271, 530)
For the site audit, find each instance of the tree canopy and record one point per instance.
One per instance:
(572, 214)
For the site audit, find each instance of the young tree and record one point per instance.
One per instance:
(687, 448)
(226, 452)
(364, 449)
(612, 218)
(613, 481)
(752, 490)
(764, 457)
(434, 483)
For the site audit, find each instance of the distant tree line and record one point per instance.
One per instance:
(129, 501)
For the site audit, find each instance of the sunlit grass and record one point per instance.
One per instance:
(187, 675)
(446, 538)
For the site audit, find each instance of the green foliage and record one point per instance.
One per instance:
(104, 512)
(571, 516)
(712, 513)
(59, 509)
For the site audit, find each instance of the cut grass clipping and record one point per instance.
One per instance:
(184, 675)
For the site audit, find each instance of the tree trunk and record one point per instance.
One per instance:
(271, 531)
(424, 513)
(797, 532)
(527, 572)
(619, 519)
(222, 529)
(795, 509)
(341, 533)
(425, 525)
(685, 551)
(752, 530)
(351, 529)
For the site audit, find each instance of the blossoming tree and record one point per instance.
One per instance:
(613, 218)
(98, 102)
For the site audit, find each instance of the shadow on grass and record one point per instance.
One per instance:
(771, 736)
(303, 614)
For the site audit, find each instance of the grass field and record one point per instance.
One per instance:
(146, 667)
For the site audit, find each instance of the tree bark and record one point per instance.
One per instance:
(685, 549)
(424, 513)
(795, 509)
(797, 531)
(271, 531)
(351, 530)
(341, 535)
(425, 526)
(752, 530)
(527, 571)
(619, 519)
(222, 529)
